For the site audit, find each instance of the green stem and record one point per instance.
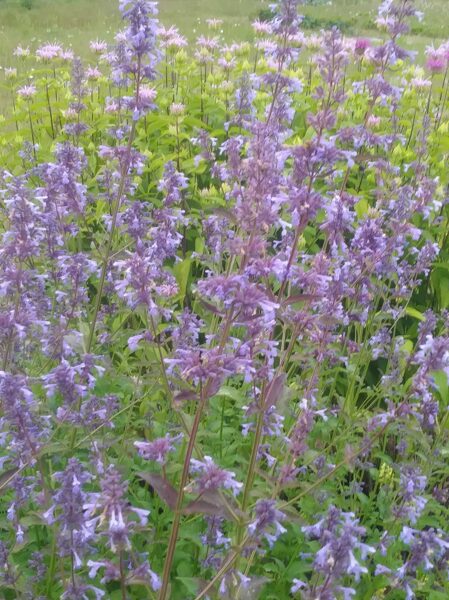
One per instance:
(51, 568)
(223, 570)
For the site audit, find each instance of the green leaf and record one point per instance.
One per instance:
(361, 207)
(182, 273)
(441, 382)
(230, 392)
(440, 283)
(413, 312)
(192, 584)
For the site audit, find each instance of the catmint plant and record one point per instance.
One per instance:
(224, 350)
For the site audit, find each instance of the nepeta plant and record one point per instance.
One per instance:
(223, 308)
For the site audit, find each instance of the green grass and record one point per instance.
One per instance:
(75, 22)
(356, 17)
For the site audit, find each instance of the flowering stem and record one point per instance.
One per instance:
(442, 104)
(49, 108)
(110, 240)
(116, 209)
(51, 568)
(180, 497)
(223, 406)
(278, 78)
(204, 394)
(32, 132)
(10, 339)
(332, 472)
(72, 566)
(412, 128)
(253, 460)
(224, 569)
(14, 110)
(122, 575)
(106, 257)
(201, 93)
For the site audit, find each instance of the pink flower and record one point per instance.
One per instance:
(98, 46)
(373, 122)
(93, 74)
(171, 38)
(27, 91)
(10, 73)
(48, 52)
(435, 60)
(21, 52)
(361, 46)
(214, 23)
(419, 83)
(66, 55)
(261, 27)
(435, 64)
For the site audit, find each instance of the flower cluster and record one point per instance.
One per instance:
(223, 312)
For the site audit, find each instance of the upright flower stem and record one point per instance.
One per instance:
(122, 575)
(105, 261)
(109, 245)
(33, 140)
(50, 112)
(116, 209)
(180, 498)
(204, 395)
(251, 467)
(228, 564)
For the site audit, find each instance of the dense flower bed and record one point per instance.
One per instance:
(224, 342)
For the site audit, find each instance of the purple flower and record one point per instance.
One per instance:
(135, 54)
(21, 425)
(172, 184)
(67, 510)
(114, 511)
(215, 541)
(266, 519)
(80, 591)
(426, 550)
(199, 365)
(339, 535)
(238, 293)
(412, 483)
(158, 449)
(212, 477)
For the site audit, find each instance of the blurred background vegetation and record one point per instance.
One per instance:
(75, 22)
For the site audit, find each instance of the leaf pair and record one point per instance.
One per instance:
(211, 503)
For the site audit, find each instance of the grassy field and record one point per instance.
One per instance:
(75, 22)
(357, 17)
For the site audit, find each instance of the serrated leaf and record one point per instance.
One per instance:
(162, 486)
(211, 503)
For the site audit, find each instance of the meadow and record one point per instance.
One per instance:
(224, 301)
(78, 21)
